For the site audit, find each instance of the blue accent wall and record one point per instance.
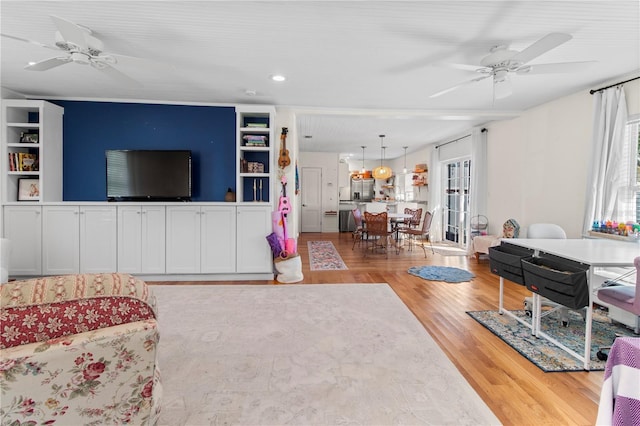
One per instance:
(91, 128)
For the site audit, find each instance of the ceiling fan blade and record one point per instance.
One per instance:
(559, 67)
(457, 86)
(541, 46)
(71, 32)
(37, 43)
(118, 76)
(47, 64)
(464, 67)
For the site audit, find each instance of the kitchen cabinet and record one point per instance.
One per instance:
(141, 239)
(78, 239)
(23, 228)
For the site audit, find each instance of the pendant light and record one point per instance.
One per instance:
(382, 172)
(363, 147)
(405, 160)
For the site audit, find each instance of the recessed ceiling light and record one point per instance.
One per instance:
(250, 92)
(278, 77)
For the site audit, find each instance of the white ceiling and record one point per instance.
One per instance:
(355, 69)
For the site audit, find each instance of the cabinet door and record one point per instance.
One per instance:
(23, 229)
(183, 240)
(129, 239)
(218, 245)
(98, 239)
(61, 240)
(153, 241)
(253, 252)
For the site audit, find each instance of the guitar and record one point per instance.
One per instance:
(283, 205)
(283, 159)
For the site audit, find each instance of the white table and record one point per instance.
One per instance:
(592, 252)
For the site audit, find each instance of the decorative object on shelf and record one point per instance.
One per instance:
(230, 196)
(29, 137)
(363, 169)
(255, 167)
(29, 189)
(404, 170)
(284, 160)
(382, 172)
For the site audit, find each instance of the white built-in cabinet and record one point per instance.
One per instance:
(141, 239)
(201, 239)
(23, 227)
(78, 239)
(253, 226)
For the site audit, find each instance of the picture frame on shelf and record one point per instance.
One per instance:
(28, 189)
(29, 137)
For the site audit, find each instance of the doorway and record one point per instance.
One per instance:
(311, 199)
(456, 186)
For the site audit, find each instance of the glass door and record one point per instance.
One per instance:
(456, 185)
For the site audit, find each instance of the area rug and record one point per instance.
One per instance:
(313, 354)
(323, 256)
(545, 354)
(441, 273)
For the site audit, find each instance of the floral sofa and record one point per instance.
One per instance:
(78, 349)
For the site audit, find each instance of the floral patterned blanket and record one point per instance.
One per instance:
(78, 349)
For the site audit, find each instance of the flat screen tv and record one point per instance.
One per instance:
(148, 175)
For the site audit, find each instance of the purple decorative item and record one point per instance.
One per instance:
(274, 243)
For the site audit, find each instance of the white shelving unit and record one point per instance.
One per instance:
(255, 164)
(42, 121)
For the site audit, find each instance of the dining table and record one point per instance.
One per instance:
(394, 220)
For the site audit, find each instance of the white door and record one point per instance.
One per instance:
(152, 244)
(23, 228)
(61, 240)
(253, 251)
(456, 186)
(183, 240)
(218, 244)
(129, 239)
(98, 239)
(311, 217)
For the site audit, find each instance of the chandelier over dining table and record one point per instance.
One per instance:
(382, 172)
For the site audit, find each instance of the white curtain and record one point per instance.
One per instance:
(608, 178)
(435, 195)
(478, 190)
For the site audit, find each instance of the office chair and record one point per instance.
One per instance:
(625, 297)
(422, 233)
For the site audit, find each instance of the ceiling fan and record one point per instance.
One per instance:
(502, 62)
(80, 47)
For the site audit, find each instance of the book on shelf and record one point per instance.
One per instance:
(23, 162)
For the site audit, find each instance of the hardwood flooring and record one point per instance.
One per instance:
(518, 392)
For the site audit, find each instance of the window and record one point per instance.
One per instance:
(631, 198)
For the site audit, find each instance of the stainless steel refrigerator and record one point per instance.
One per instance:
(362, 189)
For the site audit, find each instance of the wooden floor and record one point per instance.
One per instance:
(518, 392)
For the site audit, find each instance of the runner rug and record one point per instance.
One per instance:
(547, 356)
(323, 256)
(304, 354)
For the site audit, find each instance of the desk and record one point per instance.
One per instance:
(592, 252)
(620, 395)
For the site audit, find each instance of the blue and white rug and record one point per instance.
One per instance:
(441, 273)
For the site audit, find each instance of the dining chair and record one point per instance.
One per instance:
(414, 220)
(359, 233)
(378, 233)
(420, 233)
